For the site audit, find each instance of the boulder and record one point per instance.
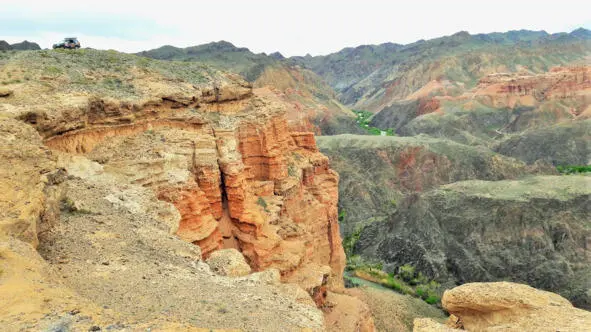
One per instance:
(507, 306)
(228, 262)
(5, 92)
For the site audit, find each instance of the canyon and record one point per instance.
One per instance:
(212, 163)
(210, 187)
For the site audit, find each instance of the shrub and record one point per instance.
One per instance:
(432, 299)
(573, 169)
(350, 240)
(342, 215)
(261, 202)
(406, 272)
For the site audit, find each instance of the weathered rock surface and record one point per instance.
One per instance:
(534, 230)
(561, 144)
(500, 106)
(110, 241)
(228, 262)
(376, 172)
(392, 311)
(347, 313)
(4, 92)
(504, 306)
(190, 152)
(429, 325)
(311, 104)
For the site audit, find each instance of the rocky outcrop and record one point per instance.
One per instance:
(28, 171)
(5, 92)
(499, 105)
(532, 230)
(200, 156)
(508, 307)
(347, 313)
(247, 184)
(377, 172)
(509, 89)
(25, 46)
(228, 262)
(429, 325)
(561, 144)
(311, 104)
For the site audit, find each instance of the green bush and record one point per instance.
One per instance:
(261, 201)
(573, 169)
(342, 215)
(406, 272)
(432, 299)
(350, 240)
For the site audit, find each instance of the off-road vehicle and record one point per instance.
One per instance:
(69, 43)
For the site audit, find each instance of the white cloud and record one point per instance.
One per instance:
(291, 27)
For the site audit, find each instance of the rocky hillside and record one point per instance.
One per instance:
(22, 46)
(376, 173)
(567, 143)
(501, 107)
(372, 77)
(156, 166)
(534, 231)
(313, 103)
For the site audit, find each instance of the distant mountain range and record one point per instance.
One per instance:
(375, 77)
(22, 46)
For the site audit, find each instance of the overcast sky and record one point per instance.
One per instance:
(294, 27)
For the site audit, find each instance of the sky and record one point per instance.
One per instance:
(294, 27)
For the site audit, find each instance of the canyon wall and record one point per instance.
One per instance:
(167, 149)
(237, 175)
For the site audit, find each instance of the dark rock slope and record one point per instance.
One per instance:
(376, 172)
(536, 230)
(562, 144)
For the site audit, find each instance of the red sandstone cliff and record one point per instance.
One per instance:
(237, 175)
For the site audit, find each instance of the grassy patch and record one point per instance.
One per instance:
(363, 119)
(405, 281)
(573, 169)
(53, 71)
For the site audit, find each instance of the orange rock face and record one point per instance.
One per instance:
(237, 176)
(559, 83)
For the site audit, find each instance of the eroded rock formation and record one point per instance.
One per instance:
(234, 171)
(199, 155)
(505, 306)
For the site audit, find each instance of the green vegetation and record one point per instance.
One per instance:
(363, 119)
(573, 169)
(405, 281)
(292, 170)
(350, 240)
(342, 215)
(261, 202)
